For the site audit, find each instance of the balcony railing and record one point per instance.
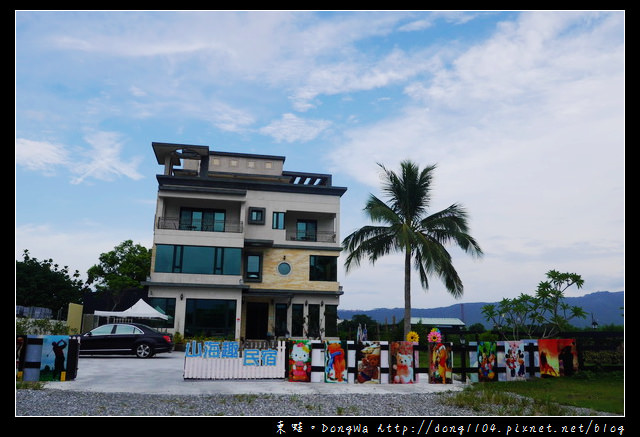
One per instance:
(216, 226)
(318, 236)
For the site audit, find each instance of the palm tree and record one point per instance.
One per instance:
(406, 228)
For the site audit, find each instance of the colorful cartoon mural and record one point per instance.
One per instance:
(300, 361)
(487, 356)
(441, 364)
(335, 357)
(513, 359)
(368, 358)
(558, 357)
(401, 357)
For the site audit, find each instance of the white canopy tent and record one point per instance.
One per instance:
(141, 310)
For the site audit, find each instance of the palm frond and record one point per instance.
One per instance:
(368, 242)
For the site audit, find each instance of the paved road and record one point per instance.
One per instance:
(163, 374)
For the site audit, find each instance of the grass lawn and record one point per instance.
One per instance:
(602, 392)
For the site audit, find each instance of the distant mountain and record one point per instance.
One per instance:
(606, 308)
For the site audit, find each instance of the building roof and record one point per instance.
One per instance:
(437, 321)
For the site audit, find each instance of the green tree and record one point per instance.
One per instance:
(406, 227)
(44, 284)
(125, 267)
(544, 314)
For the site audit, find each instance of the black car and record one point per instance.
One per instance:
(125, 338)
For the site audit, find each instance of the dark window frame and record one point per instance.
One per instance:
(248, 276)
(216, 265)
(297, 320)
(309, 232)
(323, 268)
(257, 219)
(277, 220)
(186, 219)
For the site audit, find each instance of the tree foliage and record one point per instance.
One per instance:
(125, 267)
(407, 227)
(542, 315)
(44, 284)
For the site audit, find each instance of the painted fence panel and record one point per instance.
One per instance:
(46, 357)
(216, 360)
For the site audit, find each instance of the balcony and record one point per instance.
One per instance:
(317, 236)
(173, 223)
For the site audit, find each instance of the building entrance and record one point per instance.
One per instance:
(257, 318)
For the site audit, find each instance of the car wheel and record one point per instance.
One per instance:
(144, 350)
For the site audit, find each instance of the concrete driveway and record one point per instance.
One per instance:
(163, 374)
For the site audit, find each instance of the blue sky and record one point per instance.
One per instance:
(523, 113)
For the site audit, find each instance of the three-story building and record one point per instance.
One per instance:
(243, 248)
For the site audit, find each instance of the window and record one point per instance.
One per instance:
(278, 220)
(127, 329)
(198, 259)
(306, 230)
(331, 320)
(253, 267)
(102, 330)
(281, 320)
(210, 318)
(166, 305)
(314, 320)
(228, 260)
(256, 216)
(323, 268)
(284, 268)
(202, 220)
(297, 320)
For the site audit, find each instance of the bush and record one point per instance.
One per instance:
(41, 327)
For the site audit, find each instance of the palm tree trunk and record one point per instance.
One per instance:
(407, 292)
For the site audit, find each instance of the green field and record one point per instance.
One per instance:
(601, 392)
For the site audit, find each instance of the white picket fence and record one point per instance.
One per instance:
(202, 362)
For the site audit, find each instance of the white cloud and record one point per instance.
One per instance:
(527, 129)
(291, 128)
(104, 160)
(40, 156)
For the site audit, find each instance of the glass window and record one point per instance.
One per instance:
(306, 230)
(202, 220)
(314, 320)
(281, 320)
(210, 318)
(164, 258)
(331, 320)
(253, 268)
(256, 216)
(197, 259)
(284, 269)
(323, 268)
(103, 330)
(232, 260)
(127, 329)
(167, 306)
(278, 220)
(297, 320)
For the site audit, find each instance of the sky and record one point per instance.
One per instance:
(522, 112)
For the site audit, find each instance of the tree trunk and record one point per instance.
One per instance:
(407, 293)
